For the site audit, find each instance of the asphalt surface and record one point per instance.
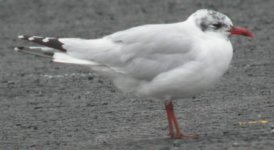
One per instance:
(45, 106)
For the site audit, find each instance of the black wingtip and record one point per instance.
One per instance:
(46, 41)
(18, 48)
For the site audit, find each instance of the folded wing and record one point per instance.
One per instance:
(142, 52)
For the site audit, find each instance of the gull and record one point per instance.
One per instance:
(161, 61)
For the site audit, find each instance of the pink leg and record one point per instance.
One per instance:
(172, 120)
(170, 125)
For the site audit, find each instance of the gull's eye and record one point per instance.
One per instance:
(217, 25)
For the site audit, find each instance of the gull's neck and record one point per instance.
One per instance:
(189, 26)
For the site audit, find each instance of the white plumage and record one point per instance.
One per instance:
(163, 60)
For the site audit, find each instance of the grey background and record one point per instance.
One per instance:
(55, 106)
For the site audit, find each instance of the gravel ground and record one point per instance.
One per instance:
(50, 106)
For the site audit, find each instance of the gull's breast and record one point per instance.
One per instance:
(212, 61)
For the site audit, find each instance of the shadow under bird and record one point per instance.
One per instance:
(161, 61)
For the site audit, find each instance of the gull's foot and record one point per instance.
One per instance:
(171, 135)
(185, 137)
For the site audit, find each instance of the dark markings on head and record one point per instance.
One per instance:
(203, 26)
(210, 19)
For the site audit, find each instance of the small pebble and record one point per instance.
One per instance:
(105, 103)
(11, 82)
(271, 126)
(177, 143)
(235, 144)
(90, 78)
(225, 132)
(164, 148)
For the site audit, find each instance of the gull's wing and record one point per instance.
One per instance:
(145, 52)
(142, 52)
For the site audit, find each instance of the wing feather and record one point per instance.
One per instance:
(145, 52)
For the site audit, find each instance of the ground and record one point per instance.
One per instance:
(45, 105)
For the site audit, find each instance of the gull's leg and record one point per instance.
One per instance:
(170, 125)
(178, 133)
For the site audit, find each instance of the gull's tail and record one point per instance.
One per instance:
(52, 48)
(69, 50)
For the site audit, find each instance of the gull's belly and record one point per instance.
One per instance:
(187, 83)
(197, 81)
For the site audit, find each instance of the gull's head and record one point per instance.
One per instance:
(217, 23)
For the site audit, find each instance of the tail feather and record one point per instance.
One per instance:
(56, 56)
